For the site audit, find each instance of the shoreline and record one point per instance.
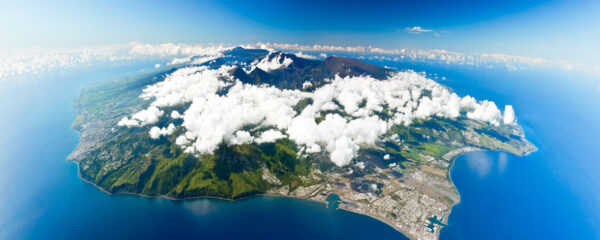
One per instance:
(390, 222)
(447, 216)
(408, 235)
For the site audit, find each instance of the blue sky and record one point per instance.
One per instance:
(557, 30)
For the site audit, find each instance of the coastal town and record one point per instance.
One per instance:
(416, 204)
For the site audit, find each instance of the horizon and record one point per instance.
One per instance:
(330, 119)
(34, 61)
(552, 30)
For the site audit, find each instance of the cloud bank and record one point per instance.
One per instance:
(36, 61)
(342, 118)
(440, 56)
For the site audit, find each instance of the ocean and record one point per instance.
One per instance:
(551, 194)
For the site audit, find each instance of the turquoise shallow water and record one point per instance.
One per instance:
(551, 194)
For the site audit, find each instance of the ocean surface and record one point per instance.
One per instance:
(551, 194)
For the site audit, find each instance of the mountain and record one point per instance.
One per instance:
(389, 162)
(301, 70)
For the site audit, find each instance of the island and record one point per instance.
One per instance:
(246, 122)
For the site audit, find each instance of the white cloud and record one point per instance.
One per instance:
(240, 137)
(156, 132)
(486, 111)
(213, 118)
(441, 56)
(417, 30)
(182, 140)
(175, 115)
(37, 61)
(344, 151)
(141, 118)
(303, 55)
(313, 148)
(272, 61)
(185, 84)
(360, 165)
(269, 136)
(509, 115)
(306, 84)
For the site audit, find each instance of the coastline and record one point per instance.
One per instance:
(452, 158)
(408, 235)
(447, 216)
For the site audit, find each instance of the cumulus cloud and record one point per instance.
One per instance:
(306, 84)
(182, 140)
(156, 132)
(509, 115)
(185, 84)
(240, 137)
(141, 118)
(486, 111)
(303, 55)
(176, 115)
(269, 136)
(214, 117)
(343, 151)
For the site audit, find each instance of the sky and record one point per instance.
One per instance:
(555, 30)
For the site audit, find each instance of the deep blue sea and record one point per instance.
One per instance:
(551, 194)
